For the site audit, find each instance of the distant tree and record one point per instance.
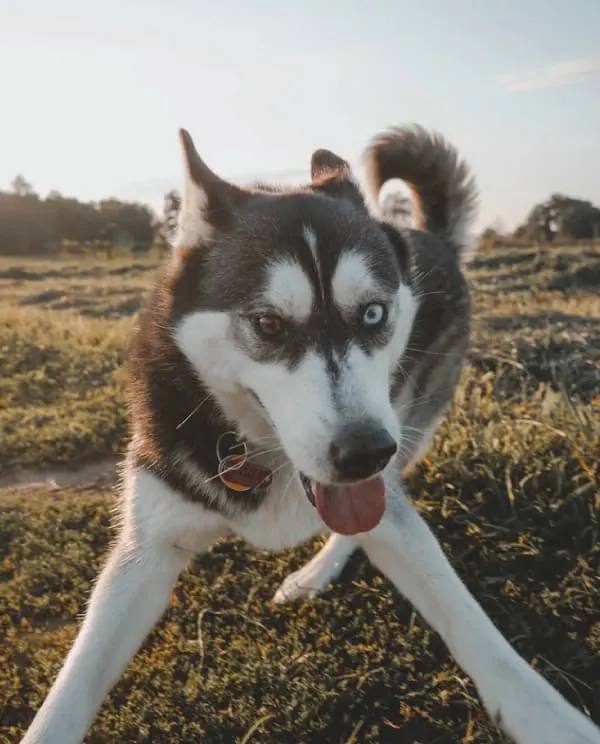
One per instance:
(561, 217)
(21, 187)
(71, 219)
(24, 224)
(127, 224)
(397, 208)
(490, 233)
(491, 237)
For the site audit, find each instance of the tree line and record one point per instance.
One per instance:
(560, 218)
(33, 225)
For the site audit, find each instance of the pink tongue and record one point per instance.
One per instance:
(351, 509)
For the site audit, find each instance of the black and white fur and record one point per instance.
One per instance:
(320, 259)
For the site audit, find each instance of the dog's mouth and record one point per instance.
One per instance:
(349, 508)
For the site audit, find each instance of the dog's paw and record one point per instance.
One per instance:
(530, 711)
(306, 583)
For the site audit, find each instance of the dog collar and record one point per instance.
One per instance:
(235, 470)
(239, 475)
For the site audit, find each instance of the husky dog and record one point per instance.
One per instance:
(296, 354)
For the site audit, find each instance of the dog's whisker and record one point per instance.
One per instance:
(410, 380)
(236, 465)
(420, 277)
(289, 483)
(423, 399)
(422, 295)
(266, 438)
(280, 467)
(258, 453)
(193, 412)
(405, 442)
(415, 350)
(411, 438)
(403, 450)
(218, 475)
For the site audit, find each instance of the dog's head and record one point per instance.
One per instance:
(294, 308)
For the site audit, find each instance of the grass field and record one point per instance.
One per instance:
(511, 486)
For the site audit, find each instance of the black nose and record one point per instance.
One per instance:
(361, 451)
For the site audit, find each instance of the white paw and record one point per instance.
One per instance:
(307, 582)
(533, 712)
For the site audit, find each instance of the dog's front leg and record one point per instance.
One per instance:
(130, 595)
(312, 578)
(522, 703)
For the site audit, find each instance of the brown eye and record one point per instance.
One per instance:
(270, 325)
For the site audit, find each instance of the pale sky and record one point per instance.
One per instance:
(92, 94)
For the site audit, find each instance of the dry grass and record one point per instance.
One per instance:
(63, 342)
(511, 487)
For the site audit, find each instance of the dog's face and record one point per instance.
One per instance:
(296, 306)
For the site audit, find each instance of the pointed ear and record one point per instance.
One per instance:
(326, 164)
(208, 202)
(332, 175)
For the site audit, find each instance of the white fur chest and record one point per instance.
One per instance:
(285, 519)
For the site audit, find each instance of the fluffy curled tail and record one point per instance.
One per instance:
(444, 191)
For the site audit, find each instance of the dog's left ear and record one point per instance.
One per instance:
(208, 202)
(326, 164)
(333, 175)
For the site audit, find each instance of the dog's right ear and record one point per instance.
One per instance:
(208, 201)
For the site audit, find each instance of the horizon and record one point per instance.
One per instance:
(96, 105)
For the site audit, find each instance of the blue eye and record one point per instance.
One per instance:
(374, 315)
